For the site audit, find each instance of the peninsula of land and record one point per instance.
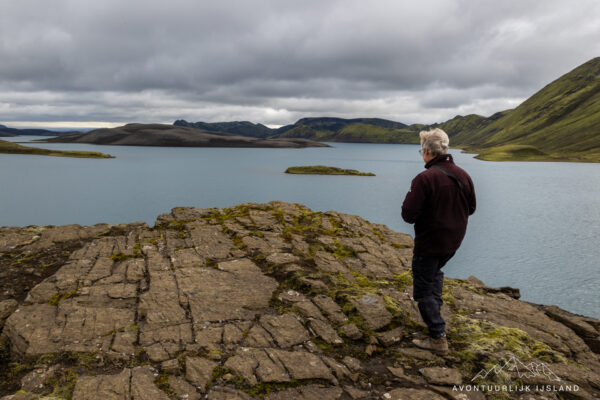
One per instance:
(264, 301)
(325, 170)
(176, 136)
(14, 148)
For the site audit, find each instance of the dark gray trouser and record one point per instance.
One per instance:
(428, 280)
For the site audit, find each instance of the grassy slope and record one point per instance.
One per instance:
(14, 148)
(360, 132)
(561, 120)
(357, 133)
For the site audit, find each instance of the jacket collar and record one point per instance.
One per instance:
(440, 159)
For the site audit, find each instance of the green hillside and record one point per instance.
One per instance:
(332, 124)
(364, 133)
(243, 128)
(562, 120)
(302, 132)
(355, 133)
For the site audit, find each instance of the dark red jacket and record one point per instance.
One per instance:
(438, 208)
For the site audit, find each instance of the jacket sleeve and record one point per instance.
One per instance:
(473, 204)
(414, 200)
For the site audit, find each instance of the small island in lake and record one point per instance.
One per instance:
(14, 148)
(324, 170)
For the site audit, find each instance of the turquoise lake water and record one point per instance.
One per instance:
(537, 225)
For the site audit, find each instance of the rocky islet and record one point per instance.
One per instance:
(260, 301)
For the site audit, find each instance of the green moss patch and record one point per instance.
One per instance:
(479, 344)
(162, 382)
(121, 257)
(514, 153)
(57, 298)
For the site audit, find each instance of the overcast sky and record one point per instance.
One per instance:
(85, 63)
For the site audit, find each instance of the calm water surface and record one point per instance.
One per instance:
(536, 227)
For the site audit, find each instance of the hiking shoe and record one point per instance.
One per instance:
(439, 345)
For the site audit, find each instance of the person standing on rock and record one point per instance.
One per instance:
(439, 203)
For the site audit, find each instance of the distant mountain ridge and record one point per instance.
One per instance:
(244, 128)
(361, 130)
(561, 122)
(333, 124)
(175, 136)
(6, 131)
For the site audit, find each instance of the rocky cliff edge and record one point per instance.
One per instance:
(267, 301)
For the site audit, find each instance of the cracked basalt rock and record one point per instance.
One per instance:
(183, 389)
(351, 331)
(412, 394)
(372, 309)
(199, 371)
(442, 376)
(267, 301)
(330, 308)
(285, 329)
(391, 337)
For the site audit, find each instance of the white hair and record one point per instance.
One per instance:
(435, 141)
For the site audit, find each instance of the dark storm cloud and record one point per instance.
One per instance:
(273, 61)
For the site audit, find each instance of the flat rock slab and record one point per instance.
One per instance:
(442, 376)
(211, 242)
(372, 309)
(391, 337)
(135, 384)
(183, 389)
(234, 290)
(330, 308)
(285, 329)
(41, 328)
(351, 331)
(302, 365)
(199, 371)
(274, 365)
(226, 393)
(325, 332)
(282, 258)
(109, 387)
(309, 392)
(412, 394)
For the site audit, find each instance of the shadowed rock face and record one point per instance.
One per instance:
(267, 301)
(175, 136)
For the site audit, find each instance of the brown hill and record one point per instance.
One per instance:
(175, 136)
